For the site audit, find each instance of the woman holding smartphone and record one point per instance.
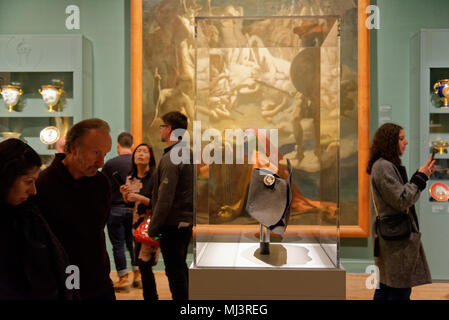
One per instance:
(402, 263)
(137, 193)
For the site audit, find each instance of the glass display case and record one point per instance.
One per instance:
(438, 139)
(52, 74)
(260, 99)
(430, 127)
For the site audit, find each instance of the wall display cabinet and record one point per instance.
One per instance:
(430, 126)
(38, 64)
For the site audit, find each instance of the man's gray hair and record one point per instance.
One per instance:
(79, 130)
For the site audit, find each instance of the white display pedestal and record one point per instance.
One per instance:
(290, 272)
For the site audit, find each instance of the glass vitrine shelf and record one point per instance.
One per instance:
(39, 111)
(441, 169)
(441, 156)
(31, 82)
(27, 62)
(30, 128)
(439, 131)
(437, 110)
(31, 103)
(435, 74)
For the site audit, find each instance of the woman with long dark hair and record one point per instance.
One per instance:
(32, 261)
(402, 263)
(137, 193)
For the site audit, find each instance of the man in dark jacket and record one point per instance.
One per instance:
(74, 198)
(173, 204)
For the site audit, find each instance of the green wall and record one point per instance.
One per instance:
(400, 20)
(390, 77)
(106, 24)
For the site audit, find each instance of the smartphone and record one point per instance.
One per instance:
(118, 178)
(434, 151)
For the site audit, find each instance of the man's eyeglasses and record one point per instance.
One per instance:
(163, 126)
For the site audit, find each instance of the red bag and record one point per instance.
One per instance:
(141, 234)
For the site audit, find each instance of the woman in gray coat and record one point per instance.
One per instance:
(402, 263)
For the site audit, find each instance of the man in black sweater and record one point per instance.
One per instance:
(173, 204)
(74, 197)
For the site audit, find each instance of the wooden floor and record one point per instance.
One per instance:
(355, 289)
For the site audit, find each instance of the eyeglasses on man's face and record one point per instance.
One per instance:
(163, 126)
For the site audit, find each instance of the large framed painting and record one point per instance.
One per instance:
(301, 67)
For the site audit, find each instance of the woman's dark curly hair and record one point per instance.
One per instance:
(16, 159)
(152, 163)
(385, 145)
